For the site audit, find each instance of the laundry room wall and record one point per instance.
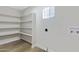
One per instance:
(63, 29)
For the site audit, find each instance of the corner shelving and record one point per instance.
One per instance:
(26, 23)
(9, 25)
(26, 27)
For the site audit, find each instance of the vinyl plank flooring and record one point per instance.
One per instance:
(19, 46)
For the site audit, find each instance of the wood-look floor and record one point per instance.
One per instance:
(19, 46)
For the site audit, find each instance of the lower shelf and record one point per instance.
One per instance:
(8, 33)
(25, 34)
(13, 32)
(4, 41)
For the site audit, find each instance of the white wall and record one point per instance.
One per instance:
(9, 11)
(58, 37)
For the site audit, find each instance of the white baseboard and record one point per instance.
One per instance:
(40, 46)
(33, 46)
(51, 50)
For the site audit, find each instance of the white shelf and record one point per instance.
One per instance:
(8, 22)
(26, 34)
(4, 41)
(26, 21)
(8, 33)
(26, 28)
(27, 15)
(27, 24)
(9, 27)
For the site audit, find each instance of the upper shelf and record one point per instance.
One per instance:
(8, 33)
(15, 22)
(4, 27)
(27, 15)
(9, 22)
(26, 21)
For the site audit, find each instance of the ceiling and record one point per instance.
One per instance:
(19, 7)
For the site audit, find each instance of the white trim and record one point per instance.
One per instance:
(41, 47)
